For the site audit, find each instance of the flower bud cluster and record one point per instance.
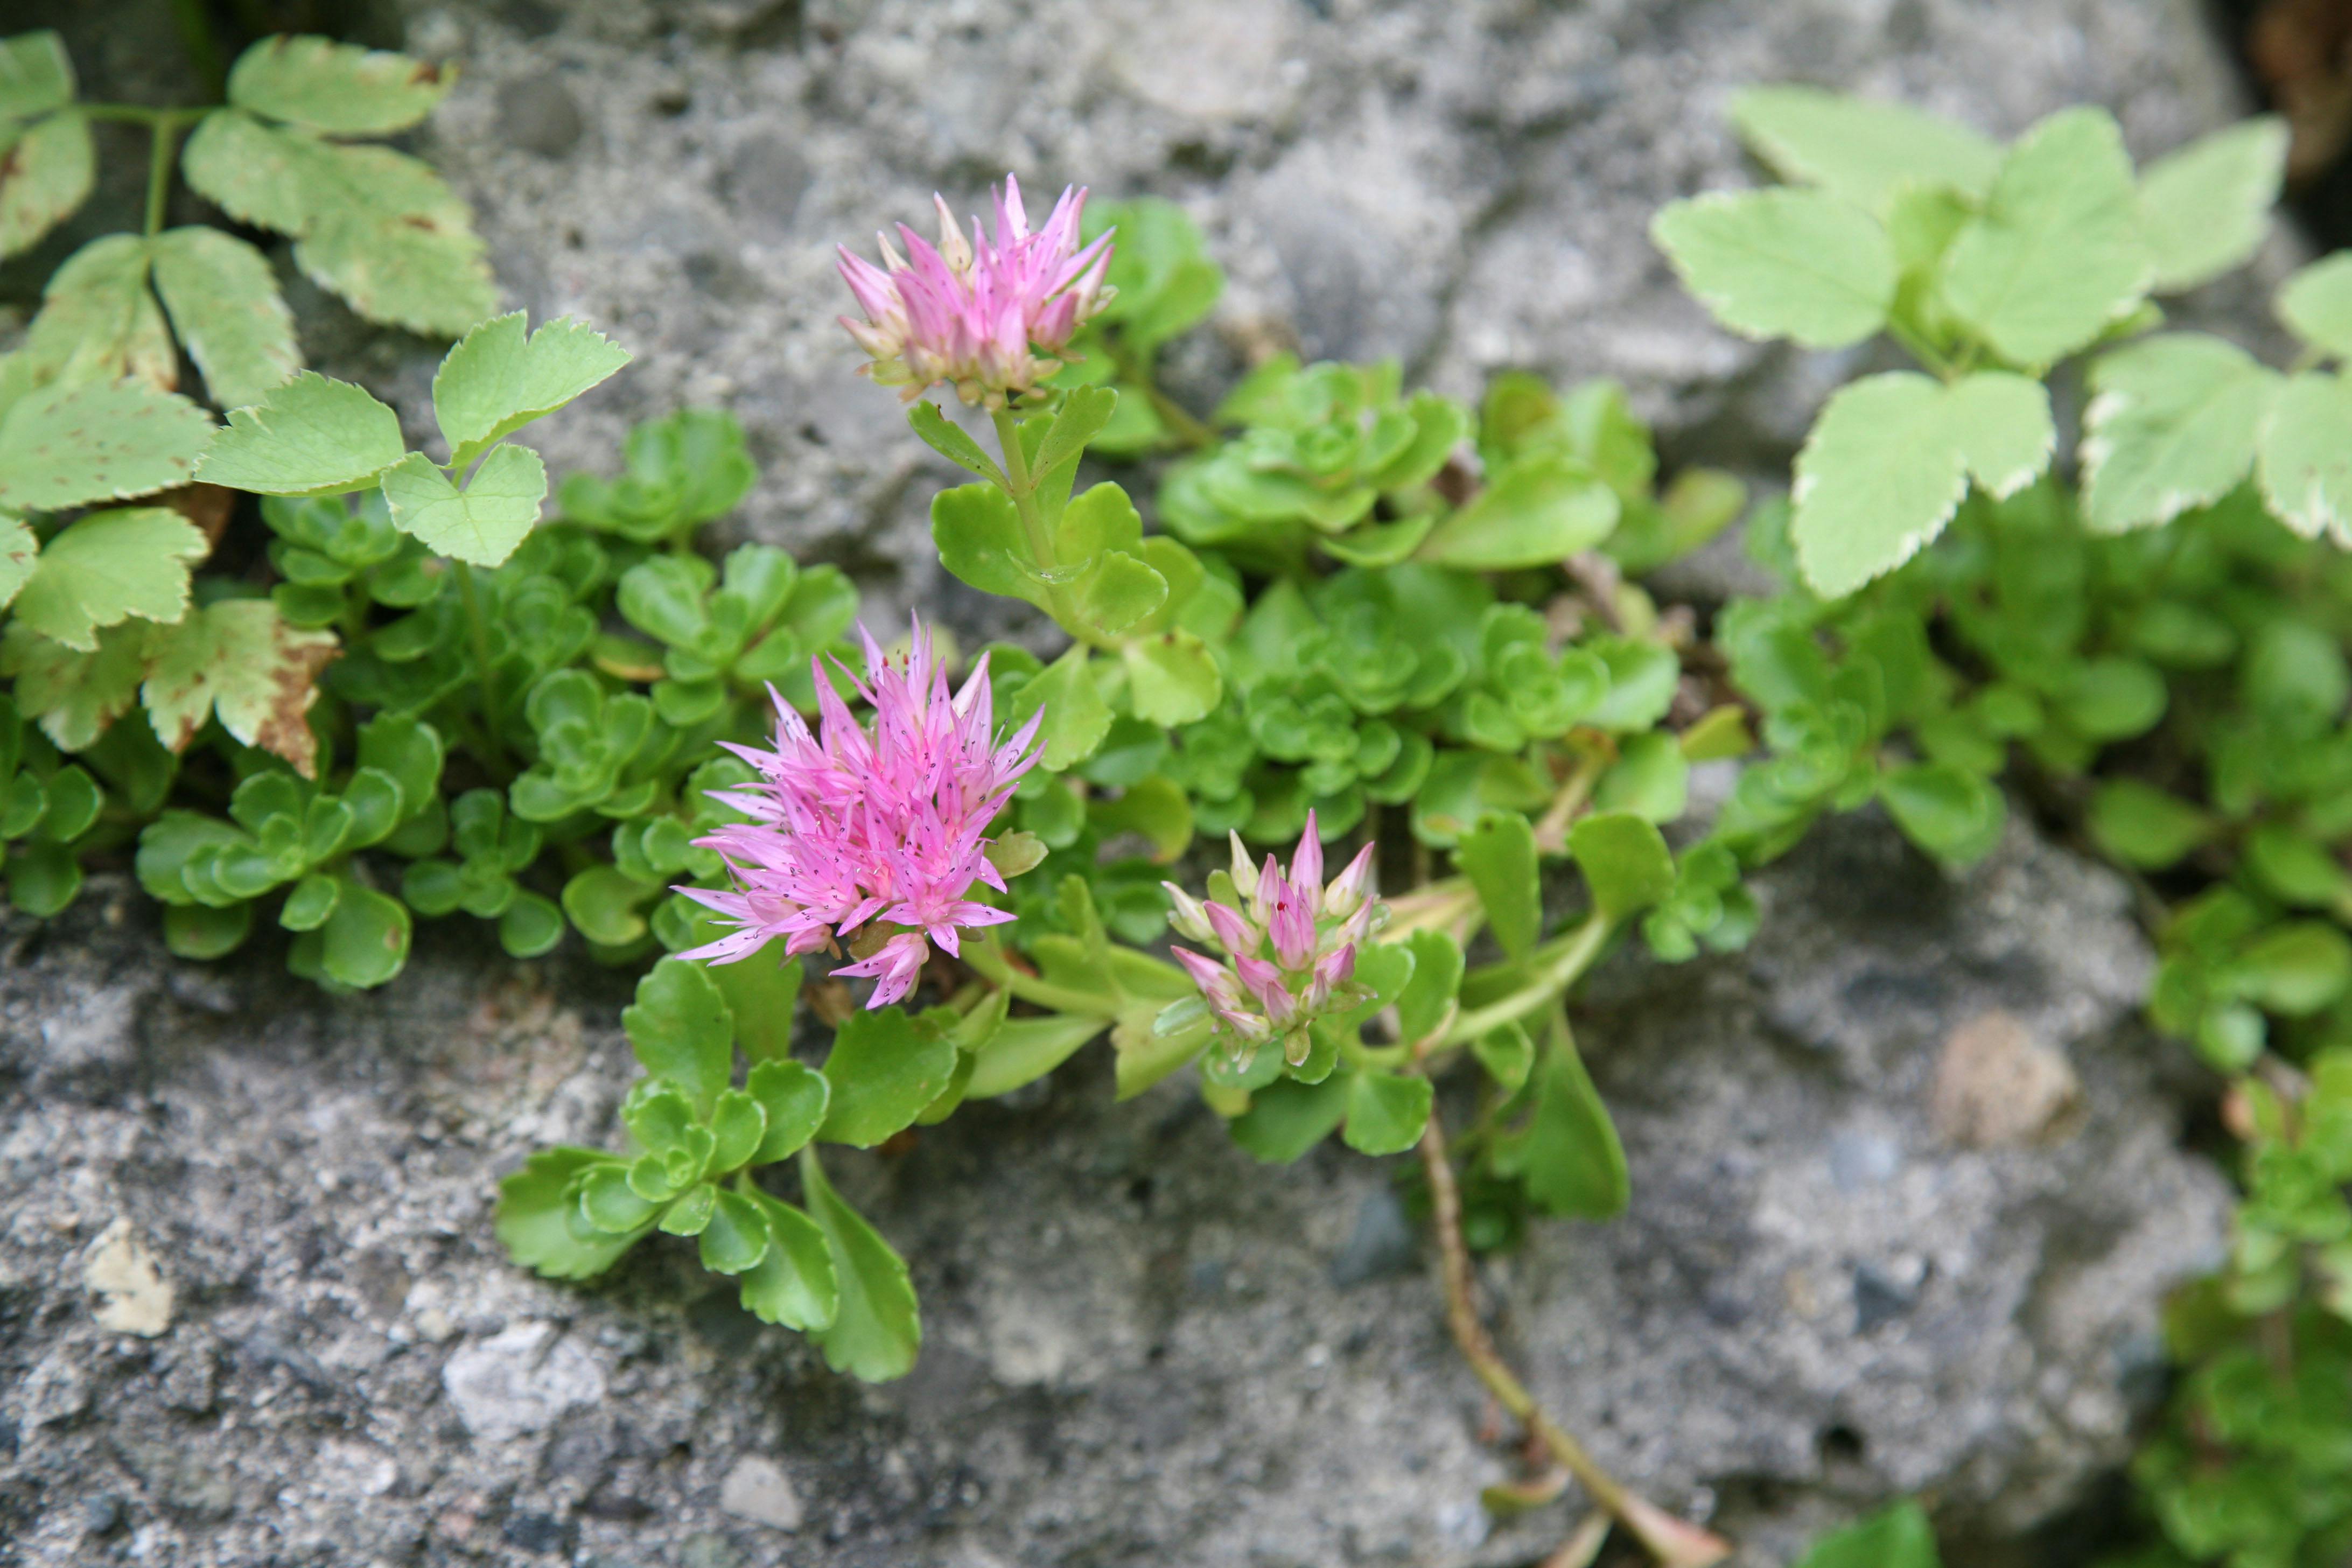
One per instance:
(1289, 948)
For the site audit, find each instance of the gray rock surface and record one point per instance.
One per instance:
(1140, 1346)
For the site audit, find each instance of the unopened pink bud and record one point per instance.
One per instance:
(1244, 870)
(1188, 917)
(1292, 926)
(1307, 863)
(1233, 933)
(1345, 896)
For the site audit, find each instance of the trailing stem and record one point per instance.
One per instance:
(1673, 1542)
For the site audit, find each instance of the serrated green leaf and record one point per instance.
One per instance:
(977, 534)
(2316, 304)
(2172, 425)
(736, 1237)
(239, 657)
(1625, 861)
(1792, 264)
(226, 307)
(1860, 149)
(46, 171)
(1385, 1112)
(950, 442)
(2205, 207)
(681, 1030)
(424, 272)
(1430, 994)
(1076, 718)
(877, 1330)
(500, 376)
(1506, 1054)
(1499, 855)
(2304, 457)
(67, 446)
(795, 1097)
(255, 172)
(310, 436)
(339, 89)
(884, 1067)
(1899, 1537)
(1171, 678)
(1287, 1118)
(106, 568)
(36, 75)
(99, 323)
(1891, 457)
(795, 1284)
(76, 696)
(19, 549)
(535, 1215)
(1568, 1153)
(2057, 252)
(484, 522)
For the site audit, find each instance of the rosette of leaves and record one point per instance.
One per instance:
(1320, 449)
(46, 806)
(1989, 265)
(286, 832)
(680, 471)
(489, 848)
(1148, 603)
(697, 1136)
(1165, 285)
(728, 632)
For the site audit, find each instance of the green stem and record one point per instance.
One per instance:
(990, 961)
(159, 172)
(1575, 954)
(1919, 348)
(479, 628)
(1023, 488)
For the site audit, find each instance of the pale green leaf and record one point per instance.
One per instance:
(311, 436)
(1171, 680)
(225, 306)
(427, 272)
(1386, 1112)
(1625, 862)
(2172, 425)
(1077, 717)
(76, 696)
(108, 567)
(498, 379)
(239, 658)
(340, 90)
(2305, 457)
(46, 171)
(1783, 263)
(481, 524)
(1890, 457)
(98, 321)
(67, 446)
(1861, 150)
(2316, 304)
(1537, 511)
(884, 1069)
(876, 1329)
(35, 74)
(1499, 855)
(2205, 207)
(253, 171)
(18, 551)
(2057, 253)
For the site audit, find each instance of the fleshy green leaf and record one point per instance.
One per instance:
(1436, 978)
(1076, 718)
(884, 1069)
(540, 1221)
(1287, 1118)
(483, 522)
(1023, 1050)
(1499, 855)
(760, 993)
(979, 536)
(2305, 458)
(2057, 252)
(1625, 862)
(1890, 459)
(2205, 207)
(500, 377)
(1567, 1154)
(1539, 511)
(239, 658)
(365, 941)
(47, 170)
(1954, 816)
(1171, 680)
(2316, 304)
(681, 1031)
(108, 567)
(795, 1097)
(2172, 425)
(793, 1284)
(226, 307)
(736, 1237)
(876, 1331)
(950, 442)
(1385, 1112)
(2142, 825)
(1795, 264)
(63, 446)
(339, 89)
(1898, 1538)
(1859, 149)
(311, 436)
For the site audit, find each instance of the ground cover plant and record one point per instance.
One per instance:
(1362, 666)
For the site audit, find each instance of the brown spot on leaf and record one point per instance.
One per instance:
(294, 680)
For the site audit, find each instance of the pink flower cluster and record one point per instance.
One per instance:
(883, 826)
(1291, 952)
(968, 312)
